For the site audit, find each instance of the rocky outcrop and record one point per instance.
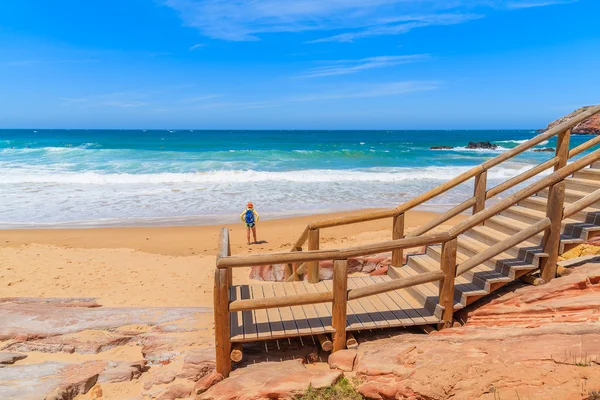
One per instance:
(372, 265)
(591, 126)
(280, 380)
(482, 145)
(544, 150)
(441, 148)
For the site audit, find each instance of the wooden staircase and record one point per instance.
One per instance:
(501, 241)
(518, 260)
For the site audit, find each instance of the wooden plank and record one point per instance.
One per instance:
(248, 317)
(323, 310)
(287, 317)
(283, 289)
(384, 309)
(551, 239)
(397, 233)
(479, 191)
(448, 265)
(357, 317)
(562, 148)
(222, 323)
(277, 327)
(237, 325)
(316, 326)
(372, 311)
(313, 266)
(263, 327)
(397, 304)
(339, 307)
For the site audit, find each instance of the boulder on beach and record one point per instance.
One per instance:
(591, 126)
(545, 149)
(482, 145)
(441, 148)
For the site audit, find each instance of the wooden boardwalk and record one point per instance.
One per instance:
(396, 308)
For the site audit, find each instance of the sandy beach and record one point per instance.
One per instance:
(161, 266)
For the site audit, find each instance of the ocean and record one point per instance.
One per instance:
(90, 178)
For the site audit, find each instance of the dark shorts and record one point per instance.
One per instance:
(250, 225)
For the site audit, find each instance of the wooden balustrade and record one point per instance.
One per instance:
(479, 191)
(221, 305)
(339, 306)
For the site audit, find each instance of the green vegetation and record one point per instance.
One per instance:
(341, 390)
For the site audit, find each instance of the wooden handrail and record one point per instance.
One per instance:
(551, 179)
(325, 255)
(457, 180)
(582, 203)
(274, 302)
(395, 284)
(496, 190)
(502, 246)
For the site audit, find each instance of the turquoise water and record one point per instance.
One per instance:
(139, 177)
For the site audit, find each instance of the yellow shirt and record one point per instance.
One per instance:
(243, 215)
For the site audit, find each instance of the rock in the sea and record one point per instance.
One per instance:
(591, 126)
(441, 148)
(542, 150)
(482, 145)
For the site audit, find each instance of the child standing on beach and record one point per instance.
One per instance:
(250, 218)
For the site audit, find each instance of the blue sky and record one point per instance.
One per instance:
(304, 64)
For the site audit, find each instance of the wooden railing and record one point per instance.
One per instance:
(449, 269)
(311, 233)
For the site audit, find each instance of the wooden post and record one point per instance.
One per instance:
(313, 266)
(351, 342)
(448, 264)
(325, 343)
(223, 278)
(562, 148)
(398, 233)
(338, 309)
(237, 353)
(551, 239)
(479, 191)
(222, 327)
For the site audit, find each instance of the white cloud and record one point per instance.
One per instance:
(196, 46)
(243, 20)
(369, 91)
(533, 3)
(199, 98)
(345, 67)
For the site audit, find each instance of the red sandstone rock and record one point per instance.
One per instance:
(76, 379)
(178, 390)
(122, 371)
(10, 358)
(159, 376)
(343, 360)
(206, 382)
(271, 380)
(197, 364)
(380, 271)
(84, 342)
(590, 126)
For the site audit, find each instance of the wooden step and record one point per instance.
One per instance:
(571, 196)
(485, 275)
(582, 185)
(510, 226)
(592, 174)
(540, 203)
(426, 294)
(529, 216)
(463, 287)
(528, 251)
